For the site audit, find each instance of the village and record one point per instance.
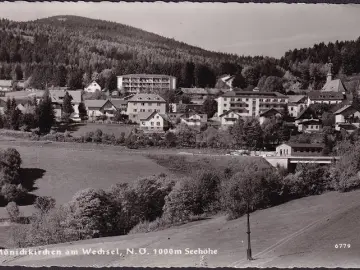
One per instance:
(136, 102)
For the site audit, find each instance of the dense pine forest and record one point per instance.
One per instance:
(72, 51)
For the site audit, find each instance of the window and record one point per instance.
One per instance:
(157, 117)
(232, 99)
(152, 123)
(143, 123)
(159, 104)
(143, 104)
(149, 110)
(135, 110)
(247, 99)
(150, 104)
(225, 99)
(158, 123)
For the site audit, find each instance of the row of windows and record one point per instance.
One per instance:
(313, 126)
(149, 110)
(148, 103)
(152, 123)
(254, 100)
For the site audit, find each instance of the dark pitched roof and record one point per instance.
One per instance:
(254, 94)
(304, 145)
(270, 112)
(319, 95)
(347, 126)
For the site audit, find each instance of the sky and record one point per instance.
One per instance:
(243, 29)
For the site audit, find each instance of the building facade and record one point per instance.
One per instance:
(154, 122)
(93, 87)
(299, 149)
(319, 97)
(145, 83)
(144, 103)
(250, 103)
(297, 103)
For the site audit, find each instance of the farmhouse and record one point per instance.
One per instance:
(97, 108)
(153, 122)
(299, 149)
(141, 103)
(193, 120)
(93, 87)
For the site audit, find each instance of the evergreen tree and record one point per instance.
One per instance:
(82, 111)
(254, 134)
(45, 113)
(67, 108)
(209, 107)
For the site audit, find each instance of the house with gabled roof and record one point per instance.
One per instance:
(229, 118)
(347, 117)
(309, 126)
(269, 114)
(97, 108)
(120, 104)
(296, 104)
(154, 122)
(299, 149)
(92, 87)
(57, 98)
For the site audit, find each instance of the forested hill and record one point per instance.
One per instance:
(74, 50)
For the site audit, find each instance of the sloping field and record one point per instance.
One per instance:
(312, 224)
(69, 168)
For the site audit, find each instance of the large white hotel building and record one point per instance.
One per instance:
(250, 103)
(142, 83)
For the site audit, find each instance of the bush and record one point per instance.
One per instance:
(91, 213)
(88, 137)
(97, 138)
(13, 211)
(141, 201)
(10, 166)
(181, 202)
(44, 204)
(44, 229)
(13, 192)
(150, 226)
(258, 187)
(309, 179)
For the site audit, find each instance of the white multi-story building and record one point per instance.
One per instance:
(141, 104)
(250, 103)
(145, 83)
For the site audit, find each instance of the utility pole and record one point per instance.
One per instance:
(249, 255)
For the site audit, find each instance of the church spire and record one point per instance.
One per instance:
(329, 74)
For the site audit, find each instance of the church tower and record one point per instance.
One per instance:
(329, 74)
